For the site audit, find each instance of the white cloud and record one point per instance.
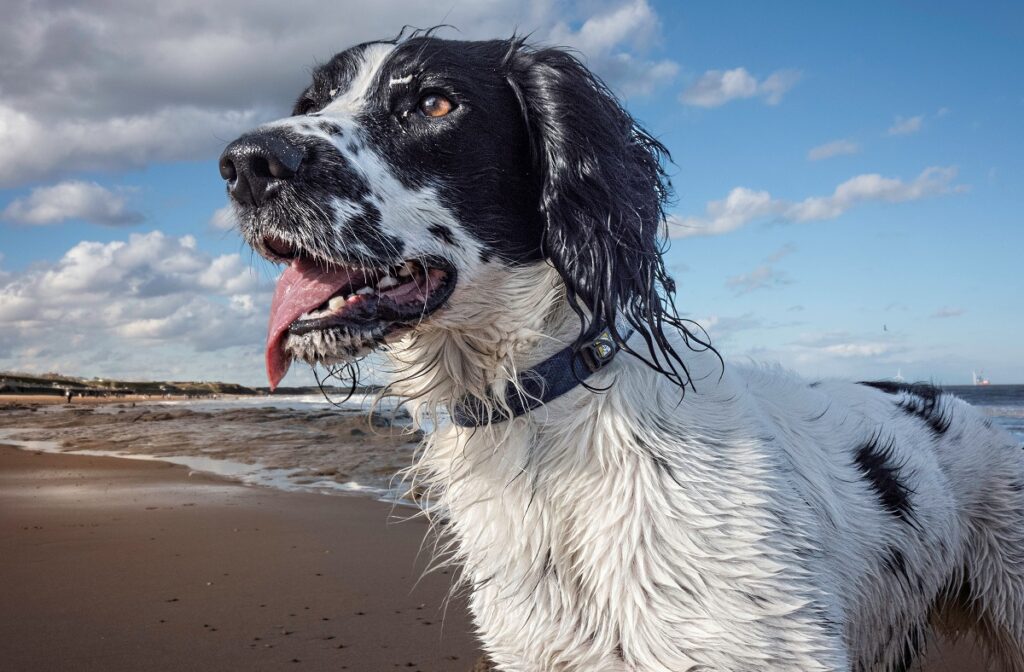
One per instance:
(873, 187)
(723, 328)
(830, 346)
(223, 219)
(103, 86)
(857, 349)
(33, 147)
(777, 84)
(781, 253)
(601, 39)
(72, 200)
(948, 311)
(630, 23)
(906, 126)
(632, 76)
(150, 299)
(736, 210)
(834, 148)
(743, 206)
(764, 276)
(718, 87)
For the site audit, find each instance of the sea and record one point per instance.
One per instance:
(1003, 403)
(304, 443)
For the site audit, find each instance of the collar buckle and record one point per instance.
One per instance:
(599, 352)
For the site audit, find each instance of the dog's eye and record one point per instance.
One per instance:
(434, 105)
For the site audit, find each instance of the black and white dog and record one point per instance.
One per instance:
(489, 214)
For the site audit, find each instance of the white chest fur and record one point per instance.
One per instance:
(592, 540)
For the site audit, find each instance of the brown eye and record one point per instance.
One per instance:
(434, 105)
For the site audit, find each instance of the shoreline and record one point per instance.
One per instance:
(292, 444)
(239, 473)
(119, 564)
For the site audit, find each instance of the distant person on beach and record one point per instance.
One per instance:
(67, 395)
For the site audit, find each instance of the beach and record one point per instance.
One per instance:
(278, 540)
(113, 564)
(291, 443)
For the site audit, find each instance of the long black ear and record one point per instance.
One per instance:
(602, 201)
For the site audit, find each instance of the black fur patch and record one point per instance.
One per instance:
(330, 128)
(920, 400)
(875, 461)
(366, 229)
(442, 232)
(896, 563)
(911, 650)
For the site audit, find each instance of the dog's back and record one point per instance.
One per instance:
(928, 523)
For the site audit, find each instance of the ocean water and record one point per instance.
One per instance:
(292, 443)
(1003, 403)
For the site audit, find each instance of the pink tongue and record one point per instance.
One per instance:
(302, 287)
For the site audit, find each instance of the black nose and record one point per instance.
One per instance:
(257, 164)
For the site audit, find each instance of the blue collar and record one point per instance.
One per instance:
(548, 380)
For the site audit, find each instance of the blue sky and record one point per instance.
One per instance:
(847, 175)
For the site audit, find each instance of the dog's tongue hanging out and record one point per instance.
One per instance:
(302, 287)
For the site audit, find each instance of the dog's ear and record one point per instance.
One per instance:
(601, 199)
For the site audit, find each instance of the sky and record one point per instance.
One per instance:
(847, 175)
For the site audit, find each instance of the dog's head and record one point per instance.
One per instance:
(410, 168)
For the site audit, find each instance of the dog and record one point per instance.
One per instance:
(488, 215)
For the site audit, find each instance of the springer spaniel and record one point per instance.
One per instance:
(490, 216)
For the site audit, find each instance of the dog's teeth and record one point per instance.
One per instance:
(365, 290)
(336, 303)
(387, 282)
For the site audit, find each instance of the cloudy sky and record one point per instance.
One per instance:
(848, 175)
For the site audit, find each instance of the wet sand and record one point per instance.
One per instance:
(110, 564)
(285, 442)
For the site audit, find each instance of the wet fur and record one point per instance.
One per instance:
(675, 513)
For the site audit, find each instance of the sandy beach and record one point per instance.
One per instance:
(111, 564)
